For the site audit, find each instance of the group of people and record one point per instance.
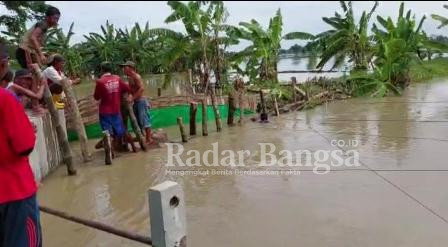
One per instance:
(111, 91)
(19, 213)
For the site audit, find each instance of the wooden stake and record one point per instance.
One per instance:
(216, 110)
(138, 132)
(193, 111)
(239, 87)
(182, 129)
(277, 113)
(232, 108)
(79, 125)
(108, 149)
(190, 77)
(263, 115)
(204, 118)
(294, 82)
(62, 136)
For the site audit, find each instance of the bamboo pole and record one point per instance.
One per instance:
(79, 125)
(193, 111)
(232, 108)
(62, 136)
(216, 110)
(204, 118)
(182, 129)
(97, 225)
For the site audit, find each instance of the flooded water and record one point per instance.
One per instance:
(175, 84)
(396, 197)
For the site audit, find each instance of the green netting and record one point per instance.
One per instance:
(163, 117)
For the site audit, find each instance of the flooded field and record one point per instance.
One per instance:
(396, 197)
(175, 84)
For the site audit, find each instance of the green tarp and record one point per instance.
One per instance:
(164, 117)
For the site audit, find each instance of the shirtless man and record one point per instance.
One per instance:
(141, 105)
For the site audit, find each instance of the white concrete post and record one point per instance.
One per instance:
(167, 215)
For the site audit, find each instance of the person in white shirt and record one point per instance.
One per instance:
(54, 75)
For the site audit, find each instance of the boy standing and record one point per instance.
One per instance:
(30, 48)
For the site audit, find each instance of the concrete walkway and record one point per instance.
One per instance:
(396, 197)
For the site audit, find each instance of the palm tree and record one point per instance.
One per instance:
(261, 56)
(346, 38)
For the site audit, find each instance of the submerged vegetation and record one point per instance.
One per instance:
(383, 54)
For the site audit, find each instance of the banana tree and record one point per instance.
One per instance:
(262, 55)
(197, 23)
(397, 45)
(58, 42)
(104, 47)
(443, 20)
(346, 39)
(15, 37)
(140, 46)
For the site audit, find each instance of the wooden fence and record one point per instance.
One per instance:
(88, 106)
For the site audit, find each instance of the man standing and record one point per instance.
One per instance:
(108, 91)
(141, 106)
(19, 212)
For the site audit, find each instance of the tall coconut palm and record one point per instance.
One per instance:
(346, 39)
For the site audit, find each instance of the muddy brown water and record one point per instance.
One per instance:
(397, 197)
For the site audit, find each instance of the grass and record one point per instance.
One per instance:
(428, 70)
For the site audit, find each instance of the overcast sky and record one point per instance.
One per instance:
(297, 16)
